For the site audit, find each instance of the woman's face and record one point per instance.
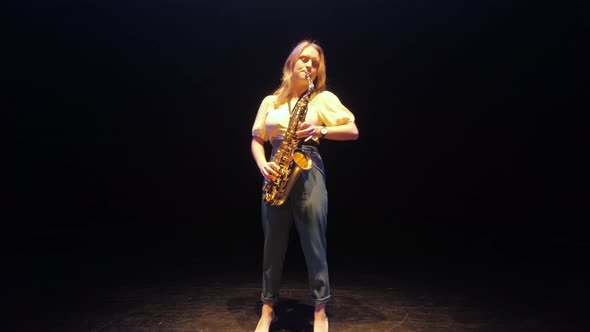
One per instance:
(308, 61)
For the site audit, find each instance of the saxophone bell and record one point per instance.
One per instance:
(302, 159)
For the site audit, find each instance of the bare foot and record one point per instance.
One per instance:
(265, 319)
(320, 320)
(320, 324)
(263, 324)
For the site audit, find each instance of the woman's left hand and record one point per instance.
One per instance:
(307, 130)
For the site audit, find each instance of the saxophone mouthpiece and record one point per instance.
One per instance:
(310, 85)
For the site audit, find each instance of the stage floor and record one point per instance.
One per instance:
(218, 290)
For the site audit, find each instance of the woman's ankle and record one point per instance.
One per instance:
(320, 310)
(267, 310)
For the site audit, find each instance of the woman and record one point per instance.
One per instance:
(307, 202)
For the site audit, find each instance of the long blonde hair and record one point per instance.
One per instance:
(284, 92)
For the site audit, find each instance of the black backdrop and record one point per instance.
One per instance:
(129, 121)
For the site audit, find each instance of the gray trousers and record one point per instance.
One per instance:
(307, 208)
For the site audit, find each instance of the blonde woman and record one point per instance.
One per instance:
(306, 206)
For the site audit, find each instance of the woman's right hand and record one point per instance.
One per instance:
(269, 171)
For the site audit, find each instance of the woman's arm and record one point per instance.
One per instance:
(266, 168)
(345, 132)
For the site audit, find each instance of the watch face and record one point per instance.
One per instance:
(324, 131)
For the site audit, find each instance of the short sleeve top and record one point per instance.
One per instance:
(325, 109)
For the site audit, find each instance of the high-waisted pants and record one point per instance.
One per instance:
(307, 208)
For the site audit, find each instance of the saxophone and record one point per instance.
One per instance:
(289, 157)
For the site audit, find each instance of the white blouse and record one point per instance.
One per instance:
(325, 109)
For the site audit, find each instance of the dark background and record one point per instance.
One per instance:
(129, 126)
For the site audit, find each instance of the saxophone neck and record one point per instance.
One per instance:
(310, 84)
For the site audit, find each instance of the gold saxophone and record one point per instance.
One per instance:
(289, 157)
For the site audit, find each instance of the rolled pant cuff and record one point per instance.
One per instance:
(267, 300)
(323, 300)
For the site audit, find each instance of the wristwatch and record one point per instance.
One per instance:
(323, 132)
